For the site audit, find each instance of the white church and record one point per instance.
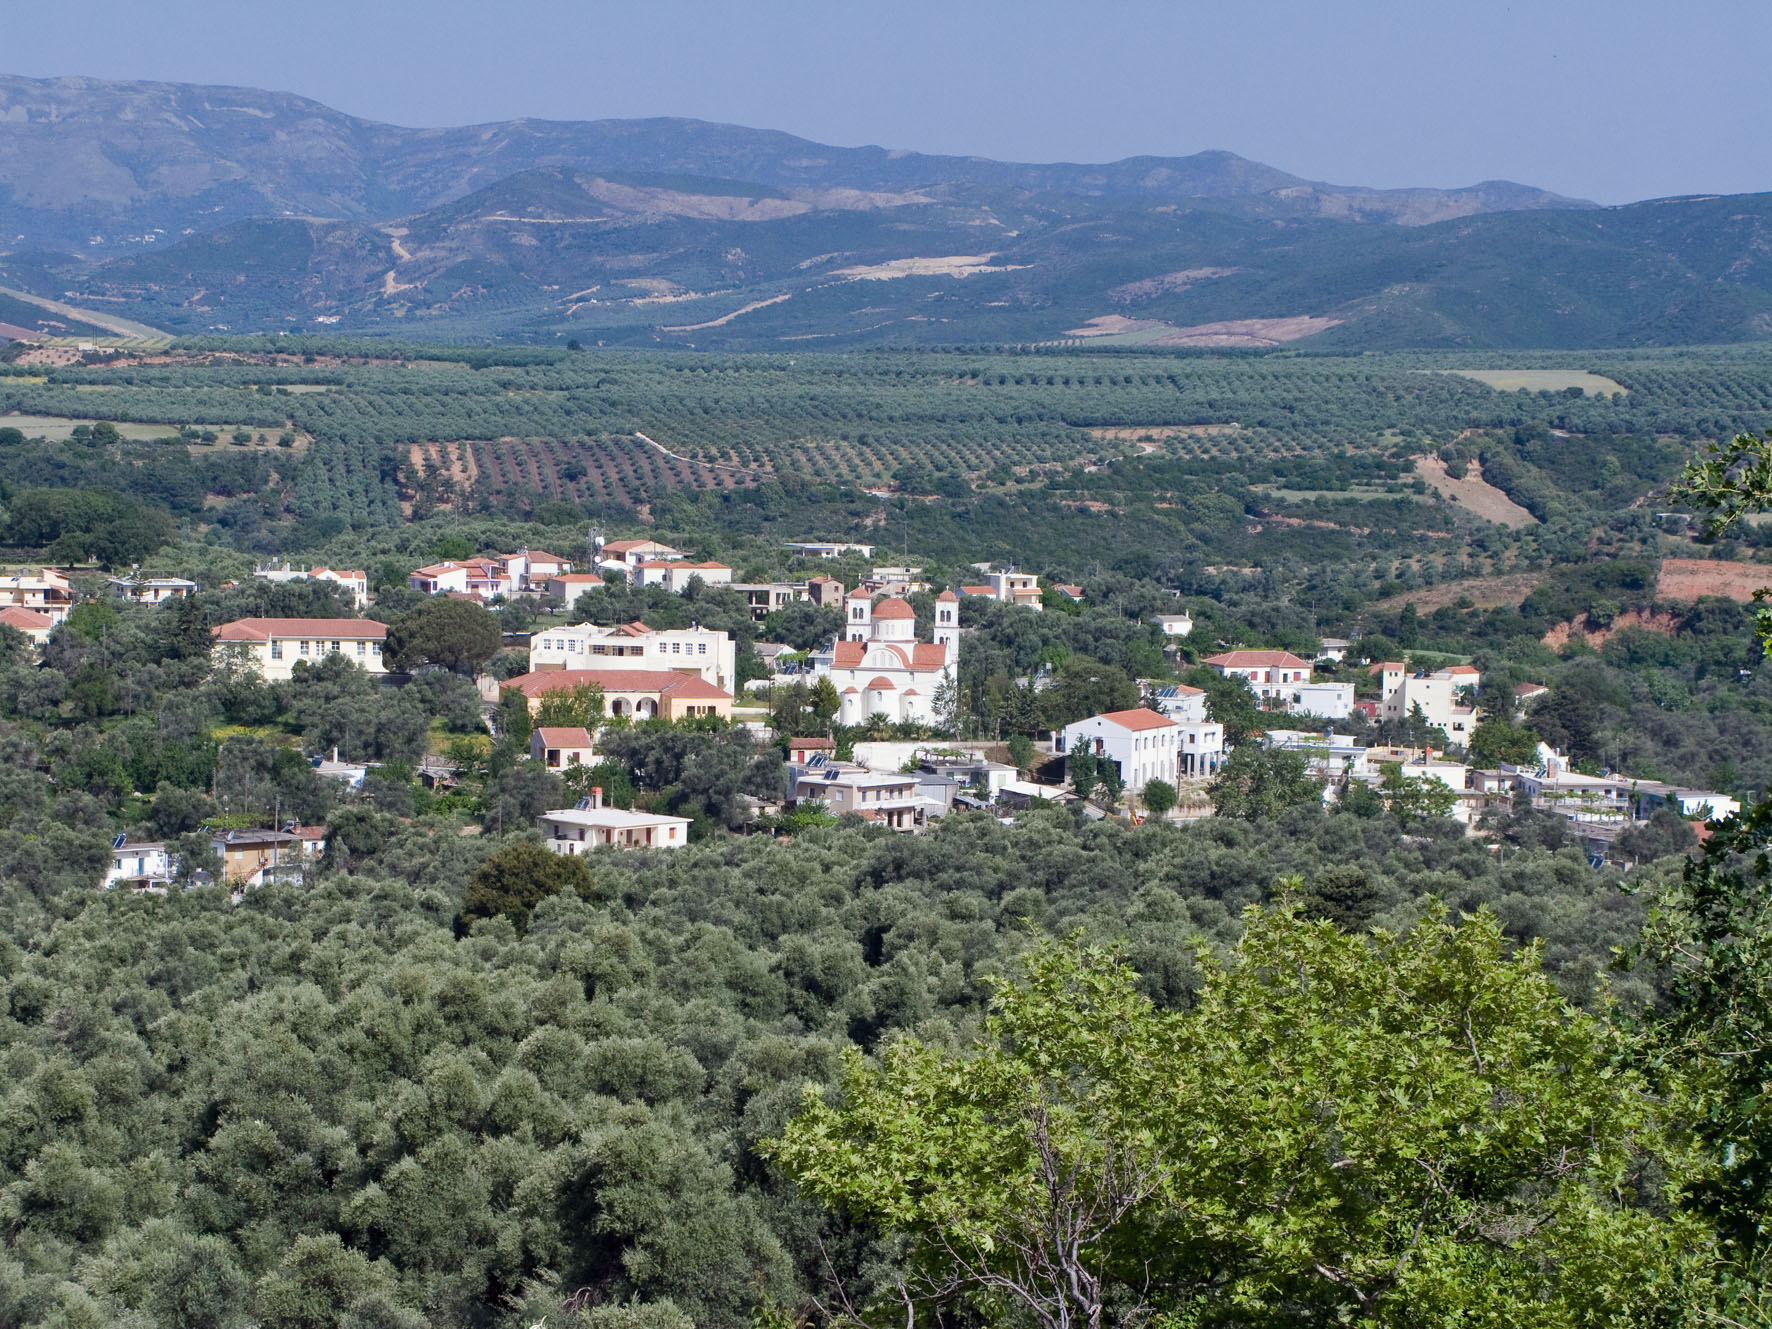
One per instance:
(880, 668)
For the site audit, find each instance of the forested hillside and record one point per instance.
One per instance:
(285, 216)
(782, 1075)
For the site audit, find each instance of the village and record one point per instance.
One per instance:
(1158, 760)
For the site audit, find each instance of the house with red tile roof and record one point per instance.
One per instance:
(639, 693)
(561, 747)
(274, 646)
(36, 626)
(1143, 744)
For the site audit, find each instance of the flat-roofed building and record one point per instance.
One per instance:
(140, 865)
(45, 592)
(675, 576)
(151, 590)
(706, 652)
(274, 646)
(590, 825)
(354, 580)
(890, 799)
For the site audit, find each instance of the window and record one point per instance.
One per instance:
(304, 647)
(702, 649)
(276, 650)
(362, 648)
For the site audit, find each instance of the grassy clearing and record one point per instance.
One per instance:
(1540, 380)
(57, 428)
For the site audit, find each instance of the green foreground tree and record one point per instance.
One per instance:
(1409, 1130)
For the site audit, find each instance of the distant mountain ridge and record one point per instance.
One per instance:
(233, 210)
(82, 157)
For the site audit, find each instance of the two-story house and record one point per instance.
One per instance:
(274, 646)
(675, 575)
(706, 652)
(1269, 674)
(561, 747)
(1199, 743)
(1142, 743)
(45, 592)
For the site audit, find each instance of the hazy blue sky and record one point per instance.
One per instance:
(1612, 101)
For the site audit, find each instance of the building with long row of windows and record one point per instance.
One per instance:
(274, 646)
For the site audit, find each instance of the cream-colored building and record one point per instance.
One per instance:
(274, 646)
(1445, 697)
(151, 590)
(704, 652)
(46, 592)
(36, 626)
(640, 693)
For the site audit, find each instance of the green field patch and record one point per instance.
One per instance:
(1540, 380)
(57, 428)
(1354, 494)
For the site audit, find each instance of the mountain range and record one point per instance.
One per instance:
(195, 209)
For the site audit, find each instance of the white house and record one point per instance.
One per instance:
(827, 549)
(1332, 701)
(1144, 744)
(1009, 587)
(274, 646)
(1444, 697)
(590, 825)
(151, 590)
(675, 576)
(628, 553)
(568, 586)
(1334, 649)
(354, 580)
(1653, 794)
(1176, 625)
(1331, 755)
(880, 668)
(1269, 673)
(141, 866)
(482, 578)
(693, 650)
(1200, 743)
(561, 747)
(530, 569)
